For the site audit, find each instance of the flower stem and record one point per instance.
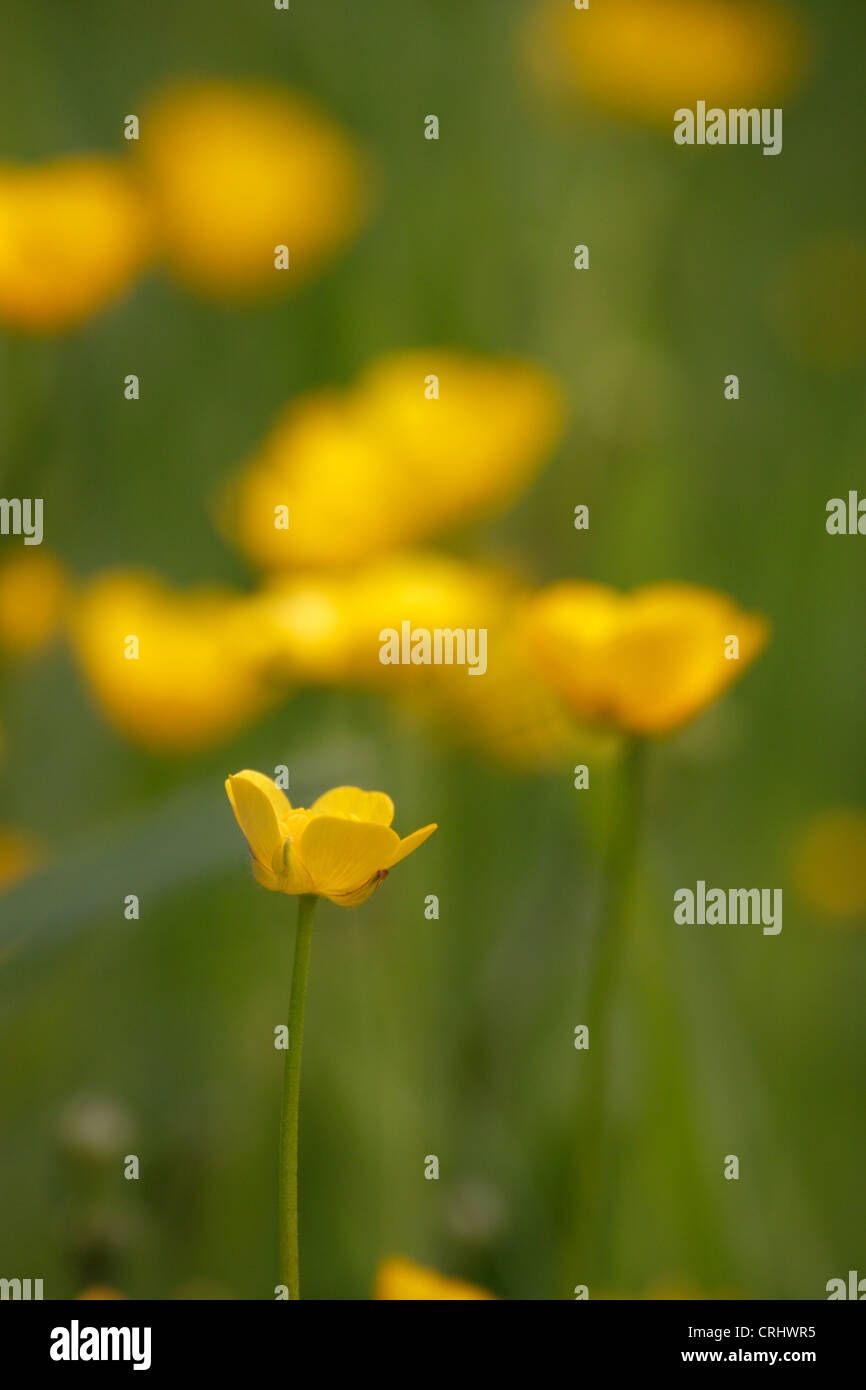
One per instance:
(289, 1264)
(592, 1219)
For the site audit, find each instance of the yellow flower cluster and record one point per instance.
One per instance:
(225, 173)
(357, 474)
(387, 463)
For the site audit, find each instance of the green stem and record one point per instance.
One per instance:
(289, 1264)
(591, 1215)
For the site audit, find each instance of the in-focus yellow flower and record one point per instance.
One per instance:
(172, 670)
(33, 594)
(340, 849)
(18, 855)
(644, 662)
(234, 171)
(646, 60)
(829, 864)
(73, 233)
(383, 465)
(403, 1280)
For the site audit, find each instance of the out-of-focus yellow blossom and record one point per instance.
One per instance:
(327, 629)
(234, 170)
(73, 233)
(829, 864)
(18, 856)
(341, 848)
(400, 1279)
(817, 301)
(381, 465)
(100, 1291)
(33, 595)
(644, 61)
(337, 623)
(196, 677)
(644, 662)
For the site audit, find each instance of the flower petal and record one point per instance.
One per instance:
(360, 895)
(410, 843)
(352, 802)
(341, 856)
(256, 802)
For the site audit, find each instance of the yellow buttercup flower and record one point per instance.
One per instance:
(235, 170)
(645, 662)
(341, 848)
(73, 233)
(325, 628)
(829, 864)
(172, 670)
(400, 1279)
(33, 596)
(344, 475)
(645, 60)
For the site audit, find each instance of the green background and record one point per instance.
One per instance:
(451, 1037)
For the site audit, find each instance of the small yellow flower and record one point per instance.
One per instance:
(383, 465)
(340, 849)
(400, 1279)
(33, 594)
(829, 864)
(645, 662)
(73, 233)
(235, 170)
(172, 670)
(645, 60)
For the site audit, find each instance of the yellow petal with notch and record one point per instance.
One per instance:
(374, 807)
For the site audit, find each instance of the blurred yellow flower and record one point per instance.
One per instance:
(644, 60)
(172, 670)
(644, 662)
(344, 475)
(332, 625)
(235, 170)
(18, 855)
(33, 595)
(73, 233)
(327, 629)
(100, 1291)
(400, 1279)
(340, 849)
(829, 863)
